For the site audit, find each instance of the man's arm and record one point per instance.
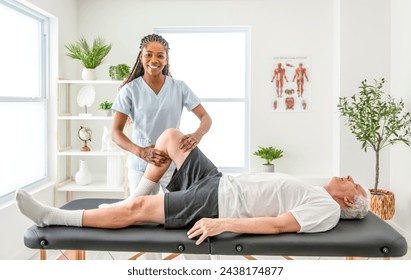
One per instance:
(261, 225)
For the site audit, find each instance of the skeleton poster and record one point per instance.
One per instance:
(291, 87)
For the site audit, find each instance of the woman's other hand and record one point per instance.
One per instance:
(190, 141)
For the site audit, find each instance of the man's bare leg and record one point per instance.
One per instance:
(144, 208)
(137, 210)
(168, 142)
(141, 209)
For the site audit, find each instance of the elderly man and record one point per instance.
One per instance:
(209, 203)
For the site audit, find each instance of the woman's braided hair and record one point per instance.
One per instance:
(138, 69)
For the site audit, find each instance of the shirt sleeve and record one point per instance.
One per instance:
(317, 217)
(190, 100)
(123, 102)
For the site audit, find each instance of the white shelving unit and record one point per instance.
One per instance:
(68, 122)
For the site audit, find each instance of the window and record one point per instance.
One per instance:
(214, 62)
(23, 97)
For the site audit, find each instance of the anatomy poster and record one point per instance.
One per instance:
(291, 84)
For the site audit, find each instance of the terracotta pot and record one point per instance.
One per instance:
(383, 204)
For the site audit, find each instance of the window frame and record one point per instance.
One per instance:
(44, 70)
(246, 30)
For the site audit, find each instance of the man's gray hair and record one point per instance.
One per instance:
(360, 208)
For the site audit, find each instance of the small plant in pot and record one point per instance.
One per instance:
(377, 120)
(106, 106)
(119, 72)
(90, 55)
(268, 154)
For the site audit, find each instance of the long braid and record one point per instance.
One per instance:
(138, 69)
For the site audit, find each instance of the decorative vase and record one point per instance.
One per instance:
(383, 204)
(83, 175)
(89, 74)
(268, 167)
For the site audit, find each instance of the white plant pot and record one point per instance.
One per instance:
(83, 175)
(109, 113)
(89, 74)
(268, 167)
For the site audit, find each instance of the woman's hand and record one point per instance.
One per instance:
(154, 156)
(204, 228)
(190, 141)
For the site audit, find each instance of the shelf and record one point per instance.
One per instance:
(91, 118)
(77, 152)
(97, 186)
(90, 82)
(69, 148)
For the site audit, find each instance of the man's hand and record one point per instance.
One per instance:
(154, 156)
(204, 228)
(190, 141)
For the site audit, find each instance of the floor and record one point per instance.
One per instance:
(98, 255)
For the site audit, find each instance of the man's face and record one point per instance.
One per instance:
(348, 186)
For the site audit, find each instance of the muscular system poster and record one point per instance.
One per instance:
(291, 84)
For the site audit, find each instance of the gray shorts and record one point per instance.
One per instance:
(193, 192)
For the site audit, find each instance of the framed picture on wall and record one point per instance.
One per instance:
(291, 84)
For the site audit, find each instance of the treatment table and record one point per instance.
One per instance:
(369, 237)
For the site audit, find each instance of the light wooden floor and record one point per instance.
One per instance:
(103, 255)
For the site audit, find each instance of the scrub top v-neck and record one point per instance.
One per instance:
(153, 113)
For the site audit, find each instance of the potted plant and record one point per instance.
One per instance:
(268, 154)
(90, 56)
(119, 72)
(106, 106)
(377, 120)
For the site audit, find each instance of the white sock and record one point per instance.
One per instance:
(43, 215)
(145, 186)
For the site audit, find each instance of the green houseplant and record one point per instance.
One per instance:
(119, 72)
(106, 106)
(90, 55)
(377, 120)
(269, 154)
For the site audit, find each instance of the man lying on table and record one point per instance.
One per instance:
(209, 203)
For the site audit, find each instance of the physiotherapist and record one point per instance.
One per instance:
(153, 101)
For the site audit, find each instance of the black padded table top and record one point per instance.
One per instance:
(369, 237)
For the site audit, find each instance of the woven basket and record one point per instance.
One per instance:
(383, 204)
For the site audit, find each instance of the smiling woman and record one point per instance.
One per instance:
(23, 142)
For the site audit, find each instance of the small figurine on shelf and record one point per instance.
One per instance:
(85, 98)
(84, 133)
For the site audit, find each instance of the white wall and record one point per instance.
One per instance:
(364, 54)
(278, 28)
(400, 181)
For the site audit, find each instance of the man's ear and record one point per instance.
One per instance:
(348, 202)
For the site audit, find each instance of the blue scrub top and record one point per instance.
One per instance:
(153, 113)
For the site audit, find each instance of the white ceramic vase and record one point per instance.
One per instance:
(89, 74)
(268, 167)
(83, 175)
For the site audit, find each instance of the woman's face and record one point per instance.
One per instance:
(154, 58)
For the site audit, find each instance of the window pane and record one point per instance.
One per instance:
(225, 142)
(22, 145)
(212, 64)
(19, 54)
